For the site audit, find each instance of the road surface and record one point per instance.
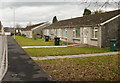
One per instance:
(21, 67)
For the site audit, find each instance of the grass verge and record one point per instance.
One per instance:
(38, 52)
(97, 68)
(24, 41)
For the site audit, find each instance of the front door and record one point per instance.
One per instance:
(85, 32)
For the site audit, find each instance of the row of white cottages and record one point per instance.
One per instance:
(96, 30)
(83, 35)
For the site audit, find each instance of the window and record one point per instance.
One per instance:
(76, 32)
(50, 32)
(64, 32)
(59, 32)
(94, 32)
(47, 31)
(55, 31)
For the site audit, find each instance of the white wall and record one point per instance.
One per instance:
(91, 42)
(59, 31)
(27, 33)
(70, 36)
(7, 33)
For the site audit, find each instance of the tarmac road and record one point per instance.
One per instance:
(21, 67)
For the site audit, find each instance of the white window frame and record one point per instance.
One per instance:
(51, 32)
(59, 32)
(65, 33)
(94, 30)
(47, 31)
(75, 34)
(55, 31)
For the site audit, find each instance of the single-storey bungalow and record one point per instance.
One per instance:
(18, 30)
(95, 29)
(36, 28)
(9, 30)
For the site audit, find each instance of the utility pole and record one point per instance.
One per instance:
(13, 19)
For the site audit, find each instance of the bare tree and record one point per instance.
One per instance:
(98, 11)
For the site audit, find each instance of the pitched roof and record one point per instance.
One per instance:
(89, 20)
(32, 26)
(9, 29)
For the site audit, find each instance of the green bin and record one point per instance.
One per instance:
(57, 41)
(113, 45)
(46, 38)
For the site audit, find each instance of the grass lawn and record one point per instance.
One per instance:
(24, 41)
(97, 68)
(118, 49)
(38, 52)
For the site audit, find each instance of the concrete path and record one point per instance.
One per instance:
(21, 67)
(75, 45)
(72, 56)
(42, 46)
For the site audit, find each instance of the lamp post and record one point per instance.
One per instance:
(13, 19)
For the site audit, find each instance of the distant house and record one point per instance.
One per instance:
(95, 30)
(9, 30)
(18, 31)
(37, 28)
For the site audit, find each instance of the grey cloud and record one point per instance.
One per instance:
(20, 4)
(44, 11)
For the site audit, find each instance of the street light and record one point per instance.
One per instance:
(13, 19)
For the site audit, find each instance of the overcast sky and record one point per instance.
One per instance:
(36, 11)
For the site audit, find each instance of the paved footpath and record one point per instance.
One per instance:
(73, 56)
(42, 46)
(21, 67)
(72, 45)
